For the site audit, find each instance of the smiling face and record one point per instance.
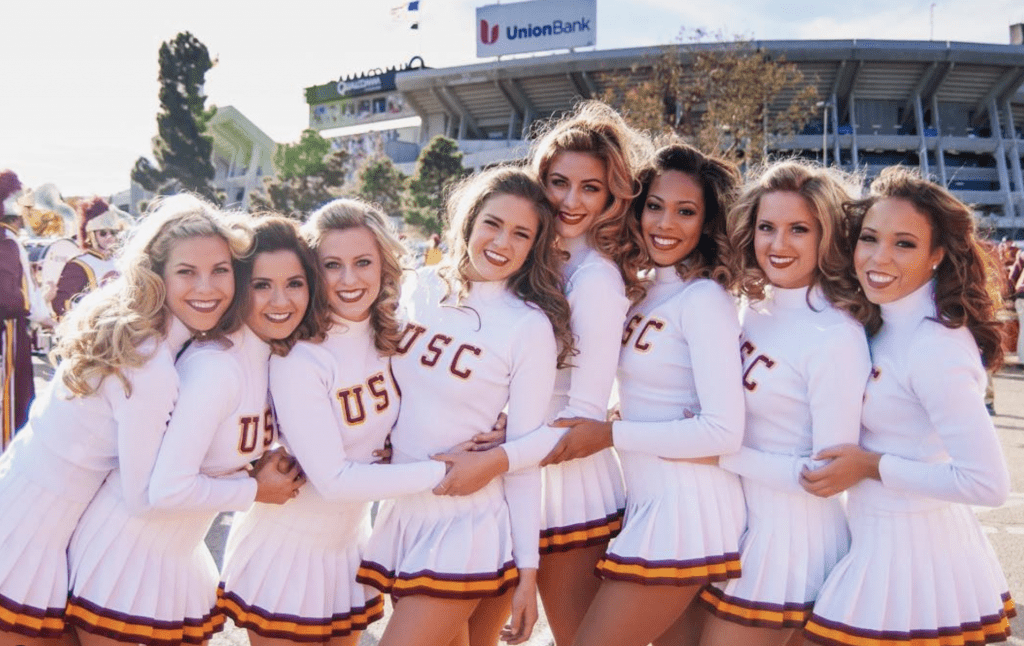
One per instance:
(352, 271)
(673, 217)
(577, 187)
(786, 239)
(894, 255)
(200, 281)
(501, 237)
(278, 294)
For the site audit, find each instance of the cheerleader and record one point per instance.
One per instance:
(290, 572)
(149, 577)
(920, 569)
(481, 335)
(680, 397)
(107, 405)
(805, 363)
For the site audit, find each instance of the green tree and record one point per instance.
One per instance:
(182, 150)
(439, 166)
(305, 158)
(380, 182)
(297, 196)
(724, 96)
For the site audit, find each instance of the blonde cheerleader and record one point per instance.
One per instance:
(106, 408)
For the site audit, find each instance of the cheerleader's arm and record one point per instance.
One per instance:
(209, 395)
(948, 379)
(533, 378)
(308, 418)
(712, 332)
(141, 419)
(598, 303)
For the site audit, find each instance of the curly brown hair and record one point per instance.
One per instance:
(350, 213)
(967, 279)
(824, 191)
(276, 233)
(719, 181)
(539, 281)
(594, 128)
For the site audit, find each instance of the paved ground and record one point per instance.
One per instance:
(1004, 525)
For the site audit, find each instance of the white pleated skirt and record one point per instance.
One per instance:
(455, 547)
(582, 502)
(792, 542)
(682, 526)
(147, 579)
(290, 570)
(912, 577)
(36, 524)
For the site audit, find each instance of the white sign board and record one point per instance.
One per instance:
(535, 26)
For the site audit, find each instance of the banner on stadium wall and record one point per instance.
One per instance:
(535, 26)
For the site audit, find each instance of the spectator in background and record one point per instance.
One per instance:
(20, 302)
(99, 225)
(1016, 277)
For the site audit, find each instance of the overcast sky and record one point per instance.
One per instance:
(79, 78)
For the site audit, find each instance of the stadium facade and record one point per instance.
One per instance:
(954, 110)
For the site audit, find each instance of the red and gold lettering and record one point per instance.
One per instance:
(749, 383)
(463, 374)
(433, 351)
(642, 345)
(631, 324)
(269, 428)
(248, 430)
(354, 413)
(409, 336)
(746, 350)
(379, 391)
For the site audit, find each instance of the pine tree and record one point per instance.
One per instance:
(182, 150)
(439, 166)
(383, 184)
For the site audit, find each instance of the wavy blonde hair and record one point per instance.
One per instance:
(350, 213)
(719, 181)
(539, 281)
(102, 334)
(967, 278)
(272, 233)
(825, 191)
(594, 128)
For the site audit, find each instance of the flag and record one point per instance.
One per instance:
(408, 12)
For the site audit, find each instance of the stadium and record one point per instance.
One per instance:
(952, 109)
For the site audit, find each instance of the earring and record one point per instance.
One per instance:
(935, 267)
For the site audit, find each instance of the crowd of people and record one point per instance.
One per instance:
(796, 437)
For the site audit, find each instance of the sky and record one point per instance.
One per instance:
(78, 79)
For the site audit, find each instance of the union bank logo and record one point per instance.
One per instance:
(488, 33)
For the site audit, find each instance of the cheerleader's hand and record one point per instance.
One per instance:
(278, 479)
(492, 438)
(584, 437)
(383, 455)
(469, 471)
(524, 609)
(849, 465)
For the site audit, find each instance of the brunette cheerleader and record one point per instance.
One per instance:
(290, 572)
(920, 569)
(805, 360)
(480, 337)
(107, 406)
